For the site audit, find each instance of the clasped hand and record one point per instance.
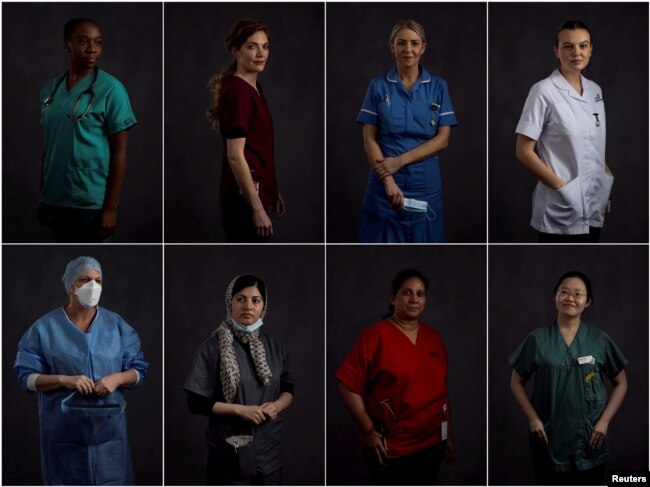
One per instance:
(83, 385)
(258, 414)
(387, 167)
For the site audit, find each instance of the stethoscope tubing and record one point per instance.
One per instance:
(88, 91)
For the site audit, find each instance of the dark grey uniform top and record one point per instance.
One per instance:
(264, 454)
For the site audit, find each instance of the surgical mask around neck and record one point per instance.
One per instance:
(419, 206)
(89, 294)
(249, 328)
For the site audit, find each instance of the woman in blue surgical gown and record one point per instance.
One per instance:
(407, 118)
(81, 350)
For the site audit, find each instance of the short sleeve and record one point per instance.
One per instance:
(203, 377)
(286, 379)
(447, 115)
(30, 358)
(119, 115)
(534, 114)
(133, 358)
(522, 359)
(237, 109)
(613, 359)
(354, 371)
(369, 113)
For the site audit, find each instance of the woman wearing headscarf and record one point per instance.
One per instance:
(239, 112)
(569, 411)
(394, 385)
(82, 351)
(86, 116)
(240, 379)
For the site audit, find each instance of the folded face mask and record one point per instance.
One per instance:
(419, 206)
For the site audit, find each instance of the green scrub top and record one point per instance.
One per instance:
(569, 393)
(77, 154)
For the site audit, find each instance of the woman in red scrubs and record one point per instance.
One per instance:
(249, 192)
(394, 385)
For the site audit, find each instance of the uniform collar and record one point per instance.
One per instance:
(561, 83)
(393, 77)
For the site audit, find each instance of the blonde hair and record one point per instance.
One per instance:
(237, 36)
(410, 24)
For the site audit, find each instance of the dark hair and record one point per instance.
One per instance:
(72, 24)
(236, 38)
(399, 279)
(570, 25)
(580, 275)
(249, 280)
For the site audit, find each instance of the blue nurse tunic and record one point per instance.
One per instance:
(405, 120)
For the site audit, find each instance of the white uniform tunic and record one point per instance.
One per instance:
(570, 134)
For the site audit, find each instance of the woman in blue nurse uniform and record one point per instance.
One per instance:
(86, 117)
(407, 118)
(564, 116)
(85, 349)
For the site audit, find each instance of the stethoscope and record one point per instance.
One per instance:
(88, 91)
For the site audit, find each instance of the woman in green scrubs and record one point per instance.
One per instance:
(86, 117)
(569, 411)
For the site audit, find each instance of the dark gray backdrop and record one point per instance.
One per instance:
(31, 287)
(521, 281)
(358, 292)
(521, 54)
(196, 278)
(32, 54)
(357, 52)
(293, 86)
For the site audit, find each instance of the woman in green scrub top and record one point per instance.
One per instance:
(569, 411)
(86, 117)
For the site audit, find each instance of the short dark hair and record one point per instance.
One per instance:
(570, 25)
(72, 24)
(580, 275)
(248, 280)
(399, 279)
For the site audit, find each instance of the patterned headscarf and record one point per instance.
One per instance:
(226, 332)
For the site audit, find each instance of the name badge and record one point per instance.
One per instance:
(587, 359)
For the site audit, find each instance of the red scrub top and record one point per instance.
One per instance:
(404, 386)
(244, 113)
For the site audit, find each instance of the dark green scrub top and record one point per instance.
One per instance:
(569, 394)
(77, 154)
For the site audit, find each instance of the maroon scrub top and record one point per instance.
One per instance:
(245, 113)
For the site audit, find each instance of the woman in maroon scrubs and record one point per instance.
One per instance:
(249, 194)
(394, 385)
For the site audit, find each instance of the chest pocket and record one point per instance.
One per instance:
(392, 113)
(592, 383)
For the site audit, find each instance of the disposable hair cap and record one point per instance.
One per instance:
(76, 267)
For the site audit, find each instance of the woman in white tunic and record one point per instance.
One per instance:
(564, 116)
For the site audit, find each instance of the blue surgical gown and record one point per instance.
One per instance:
(80, 450)
(405, 120)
